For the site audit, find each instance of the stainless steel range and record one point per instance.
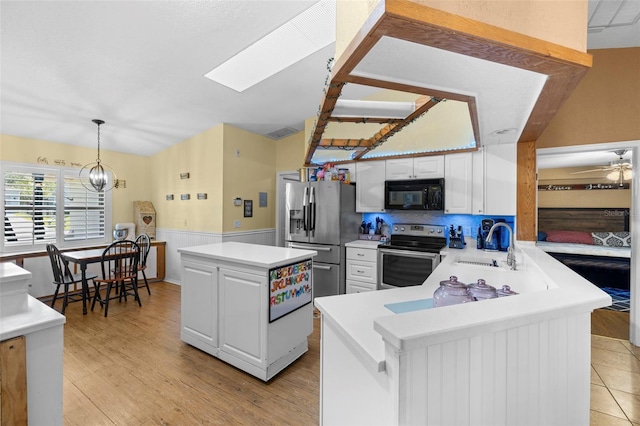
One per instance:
(413, 252)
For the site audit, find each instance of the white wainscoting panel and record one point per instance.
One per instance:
(176, 239)
(530, 375)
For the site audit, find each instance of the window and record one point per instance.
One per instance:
(49, 205)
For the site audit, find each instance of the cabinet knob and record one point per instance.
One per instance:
(360, 254)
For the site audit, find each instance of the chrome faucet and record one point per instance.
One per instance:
(511, 258)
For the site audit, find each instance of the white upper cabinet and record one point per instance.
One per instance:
(457, 183)
(415, 168)
(500, 179)
(477, 182)
(482, 182)
(428, 167)
(370, 186)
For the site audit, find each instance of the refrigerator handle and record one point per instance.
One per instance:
(304, 208)
(312, 210)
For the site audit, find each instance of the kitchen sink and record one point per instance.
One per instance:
(483, 262)
(477, 262)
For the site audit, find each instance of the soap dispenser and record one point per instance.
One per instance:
(479, 240)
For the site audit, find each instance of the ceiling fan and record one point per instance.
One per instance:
(619, 169)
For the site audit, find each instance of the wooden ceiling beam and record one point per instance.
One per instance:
(391, 129)
(417, 23)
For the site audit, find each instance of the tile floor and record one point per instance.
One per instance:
(615, 382)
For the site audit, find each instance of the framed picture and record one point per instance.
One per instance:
(248, 208)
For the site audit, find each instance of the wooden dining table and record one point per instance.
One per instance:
(83, 258)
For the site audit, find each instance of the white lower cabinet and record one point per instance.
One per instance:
(199, 321)
(241, 311)
(362, 269)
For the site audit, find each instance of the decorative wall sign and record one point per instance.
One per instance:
(185, 196)
(202, 195)
(144, 215)
(248, 208)
(184, 175)
(581, 186)
(169, 197)
(262, 199)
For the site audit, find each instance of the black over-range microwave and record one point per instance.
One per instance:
(418, 194)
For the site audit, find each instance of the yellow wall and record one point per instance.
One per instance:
(213, 167)
(290, 152)
(131, 168)
(579, 198)
(605, 107)
(202, 157)
(557, 21)
(245, 175)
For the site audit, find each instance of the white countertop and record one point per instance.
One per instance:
(363, 244)
(32, 315)
(249, 254)
(585, 249)
(36, 317)
(547, 289)
(10, 272)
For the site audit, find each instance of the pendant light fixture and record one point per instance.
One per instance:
(95, 176)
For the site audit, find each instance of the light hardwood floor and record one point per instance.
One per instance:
(131, 368)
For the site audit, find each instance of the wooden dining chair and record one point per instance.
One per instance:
(119, 267)
(144, 242)
(62, 277)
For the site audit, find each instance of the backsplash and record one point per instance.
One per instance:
(469, 223)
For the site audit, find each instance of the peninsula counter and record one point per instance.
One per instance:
(247, 304)
(522, 359)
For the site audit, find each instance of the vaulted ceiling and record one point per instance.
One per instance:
(139, 66)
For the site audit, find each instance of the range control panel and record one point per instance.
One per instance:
(419, 230)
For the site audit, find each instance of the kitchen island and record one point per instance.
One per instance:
(247, 304)
(522, 359)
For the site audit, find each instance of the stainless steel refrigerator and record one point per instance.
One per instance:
(322, 216)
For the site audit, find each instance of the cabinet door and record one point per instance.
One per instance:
(500, 169)
(457, 183)
(199, 303)
(243, 315)
(362, 271)
(370, 186)
(358, 287)
(428, 167)
(477, 185)
(399, 169)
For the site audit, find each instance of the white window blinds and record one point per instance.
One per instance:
(44, 205)
(29, 207)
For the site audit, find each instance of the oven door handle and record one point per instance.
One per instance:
(409, 253)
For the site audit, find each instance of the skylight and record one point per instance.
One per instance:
(298, 38)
